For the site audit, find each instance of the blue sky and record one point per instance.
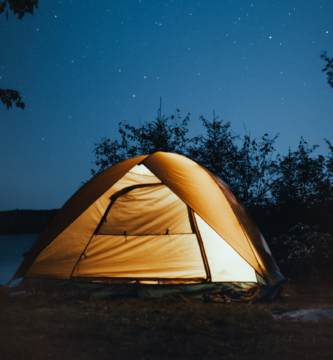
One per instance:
(83, 66)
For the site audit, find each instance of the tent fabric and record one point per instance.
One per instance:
(149, 256)
(76, 205)
(224, 262)
(163, 211)
(192, 184)
(151, 218)
(256, 239)
(58, 261)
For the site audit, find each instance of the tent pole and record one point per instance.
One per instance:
(195, 229)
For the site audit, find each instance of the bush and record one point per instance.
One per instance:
(304, 252)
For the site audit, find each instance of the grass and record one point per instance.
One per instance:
(60, 326)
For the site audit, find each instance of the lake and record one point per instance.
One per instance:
(12, 248)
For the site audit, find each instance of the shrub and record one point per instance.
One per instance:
(304, 252)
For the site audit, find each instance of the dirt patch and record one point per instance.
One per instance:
(304, 314)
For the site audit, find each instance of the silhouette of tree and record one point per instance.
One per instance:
(148, 138)
(328, 68)
(249, 169)
(19, 7)
(255, 171)
(300, 191)
(216, 150)
(8, 97)
(299, 176)
(329, 162)
(279, 191)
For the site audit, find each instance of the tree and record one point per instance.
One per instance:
(19, 7)
(148, 138)
(215, 150)
(299, 191)
(248, 169)
(279, 191)
(300, 176)
(8, 97)
(328, 68)
(255, 171)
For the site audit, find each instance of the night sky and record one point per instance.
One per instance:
(84, 66)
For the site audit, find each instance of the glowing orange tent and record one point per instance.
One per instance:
(159, 219)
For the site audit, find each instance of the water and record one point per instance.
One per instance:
(12, 248)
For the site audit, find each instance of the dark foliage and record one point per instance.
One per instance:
(279, 191)
(217, 143)
(19, 7)
(328, 68)
(25, 221)
(300, 190)
(248, 169)
(146, 139)
(304, 252)
(8, 97)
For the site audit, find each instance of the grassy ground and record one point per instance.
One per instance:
(58, 326)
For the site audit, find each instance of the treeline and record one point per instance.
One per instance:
(24, 221)
(289, 195)
(279, 191)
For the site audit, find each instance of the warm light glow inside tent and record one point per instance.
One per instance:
(225, 264)
(161, 218)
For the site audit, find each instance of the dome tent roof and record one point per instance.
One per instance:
(78, 244)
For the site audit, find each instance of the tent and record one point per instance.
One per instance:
(159, 219)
